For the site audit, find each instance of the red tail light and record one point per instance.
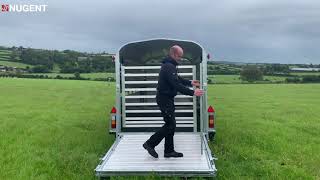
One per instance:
(113, 118)
(113, 124)
(211, 112)
(211, 121)
(113, 110)
(211, 109)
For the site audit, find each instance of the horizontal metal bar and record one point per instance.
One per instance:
(155, 104)
(140, 89)
(142, 67)
(182, 163)
(157, 118)
(154, 96)
(137, 157)
(158, 111)
(141, 82)
(158, 125)
(156, 122)
(153, 74)
(138, 75)
(153, 67)
(177, 173)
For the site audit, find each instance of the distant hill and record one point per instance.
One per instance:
(46, 61)
(227, 62)
(70, 61)
(5, 55)
(15, 64)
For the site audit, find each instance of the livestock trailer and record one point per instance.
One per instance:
(136, 116)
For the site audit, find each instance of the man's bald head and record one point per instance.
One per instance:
(176, 52)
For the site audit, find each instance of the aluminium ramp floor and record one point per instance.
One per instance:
(128, 157)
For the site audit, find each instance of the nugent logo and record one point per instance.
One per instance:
(5, 7)
(23, 8)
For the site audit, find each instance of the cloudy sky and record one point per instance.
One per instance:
(278, 31)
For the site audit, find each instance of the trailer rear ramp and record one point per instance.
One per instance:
(128, 157)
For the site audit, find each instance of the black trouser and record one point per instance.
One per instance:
(166, 105)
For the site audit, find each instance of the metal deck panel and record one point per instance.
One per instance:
(130, 156)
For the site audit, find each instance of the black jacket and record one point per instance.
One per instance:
(170, 82)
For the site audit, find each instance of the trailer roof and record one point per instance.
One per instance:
(151, 52)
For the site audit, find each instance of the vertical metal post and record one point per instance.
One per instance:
(205, 96)
(123, 95)
(118, 93)
(201, 107)
(194, 76)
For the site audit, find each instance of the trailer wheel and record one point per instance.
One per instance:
(211, 135)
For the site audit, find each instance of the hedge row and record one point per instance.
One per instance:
(36, 76)
(304, 79)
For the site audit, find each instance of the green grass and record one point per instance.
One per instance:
(230, 79)
(53, 129)
(56, 68)
(97, 75)
(85, 75)
(275, 78)
(305, 73)
(5, 57)
(5, 52)
(267, 131)
(14, 64)
(235, 79)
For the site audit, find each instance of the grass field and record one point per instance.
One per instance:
(5, 55)
(14, 64)
(235, 79)
(57, 131)
(53, 129)
(305, 73)
(85, 75)
(56, 68)
(4, 52)
(267, 131)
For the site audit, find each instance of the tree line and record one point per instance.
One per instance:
(76, 76)
(68, 61)
(236, 69)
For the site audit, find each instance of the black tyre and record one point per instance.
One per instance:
(211, 135)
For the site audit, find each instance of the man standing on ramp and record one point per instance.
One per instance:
(169, 84)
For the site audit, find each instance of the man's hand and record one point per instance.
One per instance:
(198, 92)
(195, 83)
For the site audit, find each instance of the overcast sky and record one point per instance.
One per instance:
(278, 31)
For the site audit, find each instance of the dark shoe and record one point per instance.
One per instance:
(173, 154)
(150, 150)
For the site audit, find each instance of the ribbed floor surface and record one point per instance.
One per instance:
(129, 155)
